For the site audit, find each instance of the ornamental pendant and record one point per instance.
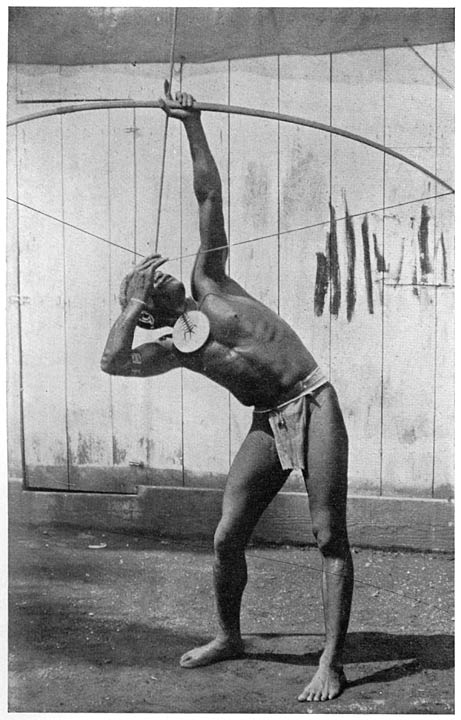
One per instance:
(191, 331)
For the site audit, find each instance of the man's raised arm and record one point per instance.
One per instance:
(210, 262)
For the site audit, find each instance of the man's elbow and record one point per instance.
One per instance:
(207, 193)
(108, 365)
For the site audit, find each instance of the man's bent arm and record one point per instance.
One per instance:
(120, 358)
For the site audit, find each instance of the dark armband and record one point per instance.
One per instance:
(136, 362)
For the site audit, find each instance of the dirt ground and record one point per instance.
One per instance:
(100, 629)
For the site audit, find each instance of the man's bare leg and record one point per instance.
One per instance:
(229, 583)
(254, 479)
(329, 680)
(327, 488)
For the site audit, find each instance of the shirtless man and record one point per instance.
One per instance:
(244, 346)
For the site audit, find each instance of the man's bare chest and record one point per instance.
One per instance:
(237, 321)
(241, 333)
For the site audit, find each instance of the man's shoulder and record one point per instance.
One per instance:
(228, 290)
(225, 300)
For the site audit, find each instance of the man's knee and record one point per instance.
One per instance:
(331, 538)
(227, 542)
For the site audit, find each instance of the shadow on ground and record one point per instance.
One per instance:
(63, 630)
(423, 652)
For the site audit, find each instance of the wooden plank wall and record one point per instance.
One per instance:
(369, 290)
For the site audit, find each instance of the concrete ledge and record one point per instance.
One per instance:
(128, 478)
(194, 513)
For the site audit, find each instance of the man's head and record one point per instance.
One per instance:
(168, 298)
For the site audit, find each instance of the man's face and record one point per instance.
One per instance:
(169, 294)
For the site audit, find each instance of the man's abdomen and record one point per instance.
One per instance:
(256, 376)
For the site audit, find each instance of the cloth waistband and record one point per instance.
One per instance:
(315, 380)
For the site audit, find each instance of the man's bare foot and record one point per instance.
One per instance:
(214, 651)
(326, 684)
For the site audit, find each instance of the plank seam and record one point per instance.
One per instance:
(66, 346)
(382, 291)
(229, 234)
(135, 186)
(278, 187)
(330, 194)
(435, 275)
(19, 315)
(109, 211)
(181, 241)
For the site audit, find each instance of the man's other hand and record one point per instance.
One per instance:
(144, 277)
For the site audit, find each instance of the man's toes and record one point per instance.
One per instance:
(325, 693)
(307, 695)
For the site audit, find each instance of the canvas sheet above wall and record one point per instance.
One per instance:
(99, 35)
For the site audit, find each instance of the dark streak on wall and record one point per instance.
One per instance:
(414, 280)
(118, 453)
(423, 233)
(333, 264)
(400, 265)
(83, 455)
(444, 258)
(350, 247)
(367, 264)
(380, 262)
(321, 284)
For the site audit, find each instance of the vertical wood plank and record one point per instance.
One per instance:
(356, 329)
(42, 286)
(146, 412)
(160, 401)
(304, 198)
(13, 358)
(409, 320)
(444, 431)
(206, 405)
(444, 274)
(125, 392)
(304, 159)
(253, 195)
(87, 267)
